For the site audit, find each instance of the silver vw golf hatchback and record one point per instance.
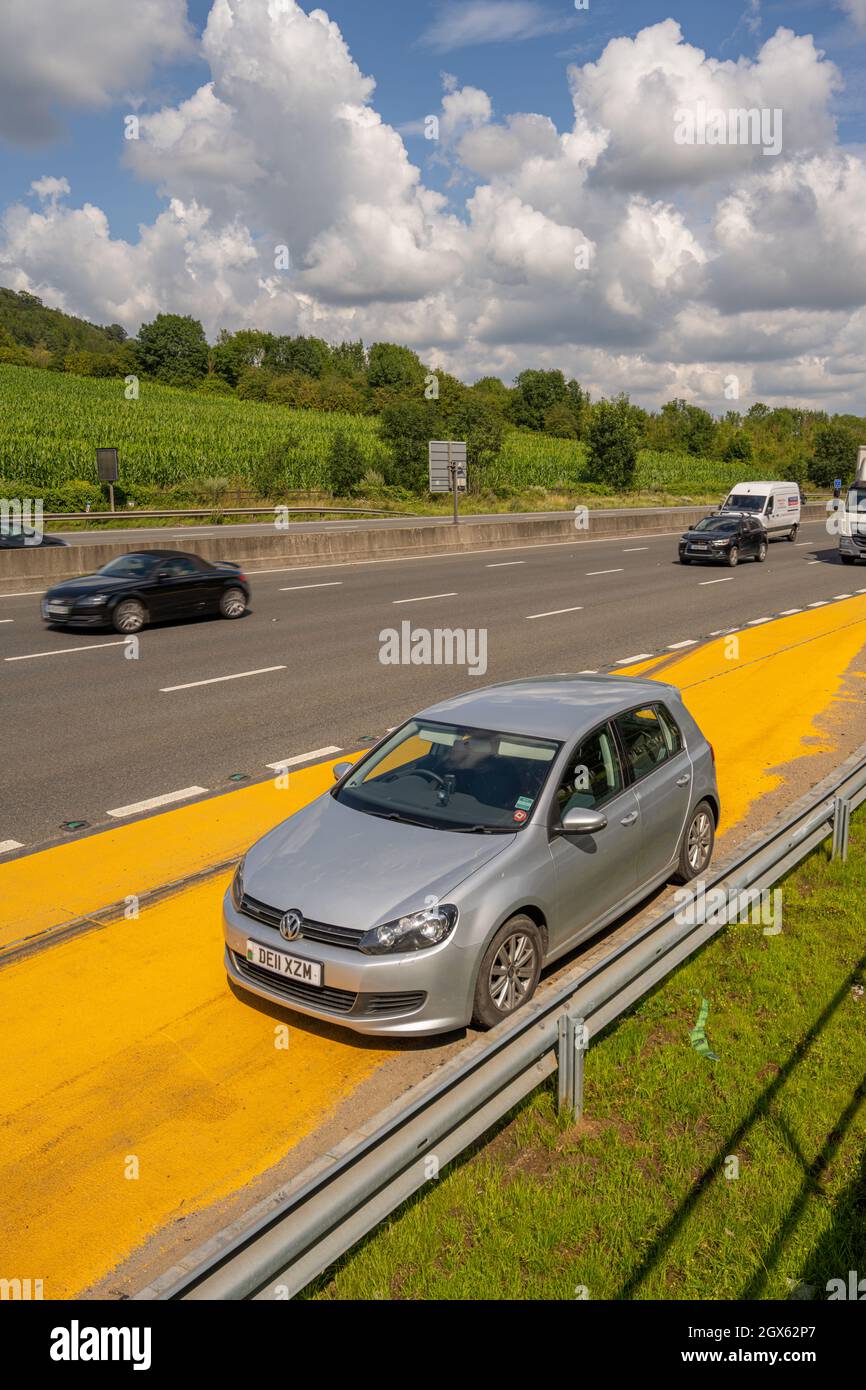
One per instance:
(477, 843)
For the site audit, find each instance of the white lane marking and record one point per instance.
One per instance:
(789, 612)
(756, 622)
(591, 573)
(23, 593)
(822, 603)
(675, 646)
(799, 543)
(302, 758)
(7, 620)
(64, 651)
(424, 597)
(504, 564)
(727, 579)
(723, 631)
(813, 562)
(554, 612)
(633, 549)
(6, 846)
(215, 680)
(627, 660)
(861, 591)
(843, 595)
(155, 801)
(294, 588)
(587, 673)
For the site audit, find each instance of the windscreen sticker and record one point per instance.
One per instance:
(520, 817)
(524, 803)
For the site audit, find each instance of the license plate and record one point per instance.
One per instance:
(309, 972)
(57, 609)
(698, 546)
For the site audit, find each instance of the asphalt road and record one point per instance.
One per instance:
(93, 731)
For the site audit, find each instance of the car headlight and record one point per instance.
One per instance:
(237, 888)
(92, 600)
(721, 542)
(414, 932)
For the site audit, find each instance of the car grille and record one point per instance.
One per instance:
(393, 1003)
(329, 935)
(338, 1001)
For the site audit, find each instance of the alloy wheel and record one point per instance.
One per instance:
(512, 972)
(700, 841)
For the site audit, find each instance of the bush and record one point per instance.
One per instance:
(215, 386)
(613, 442)
(346, 466)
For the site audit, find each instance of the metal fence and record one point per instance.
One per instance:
(304, 1231)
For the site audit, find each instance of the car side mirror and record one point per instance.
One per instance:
(340, 770)
(582, 820)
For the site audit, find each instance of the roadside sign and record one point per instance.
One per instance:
(107, 466)
(445, 454)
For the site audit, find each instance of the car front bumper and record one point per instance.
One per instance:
(848, 546)
(77, 617)
(413, 994)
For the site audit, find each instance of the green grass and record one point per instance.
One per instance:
(634, 1201)
(51, 423)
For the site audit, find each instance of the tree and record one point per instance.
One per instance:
(173, 349)
(561, 422)
(738, 448)
(612, 441)
(536, 392)
(346, 465)
(835, 455)
(407, 426)
(394, 366)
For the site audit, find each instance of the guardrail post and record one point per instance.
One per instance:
(841, 828)
(571, 1052)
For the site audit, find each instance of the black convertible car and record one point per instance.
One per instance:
(146, 587)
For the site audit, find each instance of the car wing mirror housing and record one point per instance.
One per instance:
(582, 820)
(340, 770)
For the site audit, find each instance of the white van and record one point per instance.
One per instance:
(776, 505)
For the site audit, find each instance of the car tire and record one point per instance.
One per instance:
(733, 557)
(793, 533)
(233, 603)
(762, 553)
(848, 559)
(129, 616)
(696, 846)
(517, 945)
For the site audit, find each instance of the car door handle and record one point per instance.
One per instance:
(629, 819)
(684, 780)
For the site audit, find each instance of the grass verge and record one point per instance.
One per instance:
(639, 1201)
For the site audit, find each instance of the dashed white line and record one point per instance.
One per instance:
(591, 573)
(633, 549)
(756, 622)
(843, 596)
(505, 564)
(155, 801)
(302, 758)
(6, 846)
(423, 598)
(294, 588)
(676, 646)
(7, 620)
(822, 603)
(641, 656)
(65, 651)
(215, 680)
(789, 612)
(587, 673)
(727, 579)
(554, 612)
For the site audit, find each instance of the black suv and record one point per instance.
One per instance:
(725, 539)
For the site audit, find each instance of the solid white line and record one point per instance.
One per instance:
(504, 564)
(215, 680)
(424, 597)
(675, 646)
(155, 801)
(302, 758)
(591, 573)
(627, 660)
(294, 588)
(64, 651)
(554, 612)
(789, 612)
(727, 579)
(633, 549)
(7, 845)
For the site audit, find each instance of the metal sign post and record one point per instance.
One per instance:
(447, 458)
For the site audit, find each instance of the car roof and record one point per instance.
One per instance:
(558, 707)
(157, 554)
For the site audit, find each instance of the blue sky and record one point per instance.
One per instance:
(386, 40)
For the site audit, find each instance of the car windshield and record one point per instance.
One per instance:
(745, 502)
(129, 567)
(448, 777)
(714, 523)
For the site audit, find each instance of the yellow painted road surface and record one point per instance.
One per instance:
(126, 1052)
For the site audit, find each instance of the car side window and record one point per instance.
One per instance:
(673, 737)
(593, 774)
(179, 567)
(643, 739)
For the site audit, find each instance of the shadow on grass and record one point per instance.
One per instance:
(759, 1110)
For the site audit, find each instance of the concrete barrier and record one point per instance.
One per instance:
(37, 568)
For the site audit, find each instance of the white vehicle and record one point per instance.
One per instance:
(776, 505)
(852, 517)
